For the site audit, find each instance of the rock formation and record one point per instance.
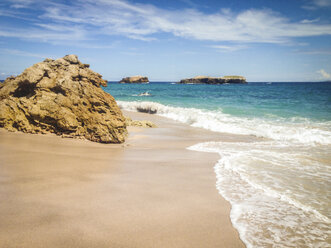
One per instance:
(134, 79)
(64, 97)
(134, 123)
(214, 80)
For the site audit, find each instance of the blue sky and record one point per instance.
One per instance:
(167, 40)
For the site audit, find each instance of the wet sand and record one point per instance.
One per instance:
(149, 192)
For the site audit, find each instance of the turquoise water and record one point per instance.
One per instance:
(279, 184)
(265, 100)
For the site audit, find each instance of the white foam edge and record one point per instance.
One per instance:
(201, 147)
(217, 121)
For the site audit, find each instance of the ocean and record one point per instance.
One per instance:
(279, 185)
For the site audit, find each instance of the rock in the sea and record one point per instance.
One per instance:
(135, 123)
(64, 97)
(214, 80)
(134, 79)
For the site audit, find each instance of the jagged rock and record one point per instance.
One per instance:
(64, 97)
(134, 79)
(134, 123)
(214, 80)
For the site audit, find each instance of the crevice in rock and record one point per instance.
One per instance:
(25, 89)
(101, 111)
(77, 78)
(58, 90)
(46, 74)
(15, 125)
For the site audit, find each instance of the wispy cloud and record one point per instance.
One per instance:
(314, 52)
(316, 4)
(48, 34)
(190, 3)
(88, 19)
(24, 53)
(324, 74)
(132, 53)
(228, 48)
(322, 3)
(18, 4)
(310, 21)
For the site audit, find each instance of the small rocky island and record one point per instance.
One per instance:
(134, 79)
(214, 80)
(64, 97)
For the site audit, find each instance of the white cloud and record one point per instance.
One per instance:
(310, 21)
(132, 53)
(228, 48)
(324, 74)
(139, 21)
(19, 4)
(314, 52)
(322, 3)
(46, 34)
(316, 4)
(87, 19)
(23, 53)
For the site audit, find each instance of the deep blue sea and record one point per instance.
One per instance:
(280, 185)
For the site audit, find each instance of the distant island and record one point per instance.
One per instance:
(214, 80)
(134, 79)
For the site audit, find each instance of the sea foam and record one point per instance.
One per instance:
(278, 187)
(303, 131)
(275, 202)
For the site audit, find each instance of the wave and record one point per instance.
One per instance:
(304, 131)
(276, 186)
(260, 180)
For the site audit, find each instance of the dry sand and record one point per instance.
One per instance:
(149, 192)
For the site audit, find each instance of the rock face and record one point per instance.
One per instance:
(134, 123)
(64, 97)
(134, 79)
(214, 80)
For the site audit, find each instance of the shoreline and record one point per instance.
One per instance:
(148, 192)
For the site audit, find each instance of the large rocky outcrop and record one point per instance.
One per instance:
(214, 80)
(64, 97)
(134, 79)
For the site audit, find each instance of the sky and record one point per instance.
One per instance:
(168, 40)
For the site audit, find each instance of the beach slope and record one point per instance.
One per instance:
(148, 192)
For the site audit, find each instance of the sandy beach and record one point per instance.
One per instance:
(239, 93)
(148, 192)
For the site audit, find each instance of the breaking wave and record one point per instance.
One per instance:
(295, 130)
